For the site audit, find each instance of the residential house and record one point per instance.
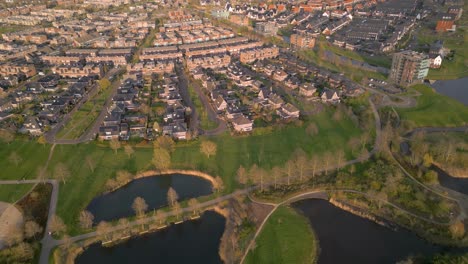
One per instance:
(241, 123)
(330, 96)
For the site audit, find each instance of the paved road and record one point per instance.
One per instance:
(50, 136)
(437, 130)
(212, 115)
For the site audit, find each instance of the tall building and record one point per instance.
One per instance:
(409, 67)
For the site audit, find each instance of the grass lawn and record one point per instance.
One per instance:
(205, 122)
(267, 149)
(434, 109)
(32, 154)
(12, 193)
(286, 238)
(351, 72)
(84, 117)
(379, 60)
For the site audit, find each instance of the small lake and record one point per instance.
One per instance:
(347, 238)
(457, 184)
(189, 242)
(457, 89)
(118, 204)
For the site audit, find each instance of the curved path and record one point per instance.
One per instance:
(323, 194)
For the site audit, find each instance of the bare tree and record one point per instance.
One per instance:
(193, 203)
(111, 184)
(164, 142)
(103, 229)
(312, 129)
(208, 148)
(276, 173)
(56, 225)
(339, 158)
(91, 163)
(289, 170)
(123, 222)
(31, 229)
(161, 159)
(86, 219)
(219, 184)
(123, 177)
(139, 206)
(177, 209)
(242, 176)
(15, 158)
(14, 235)
(314, 164)
(159, 216)
(114, 145)
(61, 172)
(253, 172)
(172, 196)
(300, 162)
(129, 150)
(327, 157)
(260, 177)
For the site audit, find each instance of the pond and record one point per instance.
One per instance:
(194, 241)
(454, 183)
(457, 89)
(118, 204)
(347, 238)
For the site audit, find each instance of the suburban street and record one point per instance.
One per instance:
(50, 136)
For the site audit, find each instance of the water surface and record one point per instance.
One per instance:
(154, 189)
(189, 242)
(454, 183)
(347, 238)
(457, 89)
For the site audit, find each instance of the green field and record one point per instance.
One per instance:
(12, 193)
(379, 60)
(350, 71)
(286, 238)
(434, 109)
(266, 149)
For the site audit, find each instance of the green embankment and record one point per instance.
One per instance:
(286, 238)
(434, 109)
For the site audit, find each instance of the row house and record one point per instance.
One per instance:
(111, 60)
(161, 56)
(249, 56)
(15, 69)
(69, 71)
(148, 68)
(61, 60)
(213, 61)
